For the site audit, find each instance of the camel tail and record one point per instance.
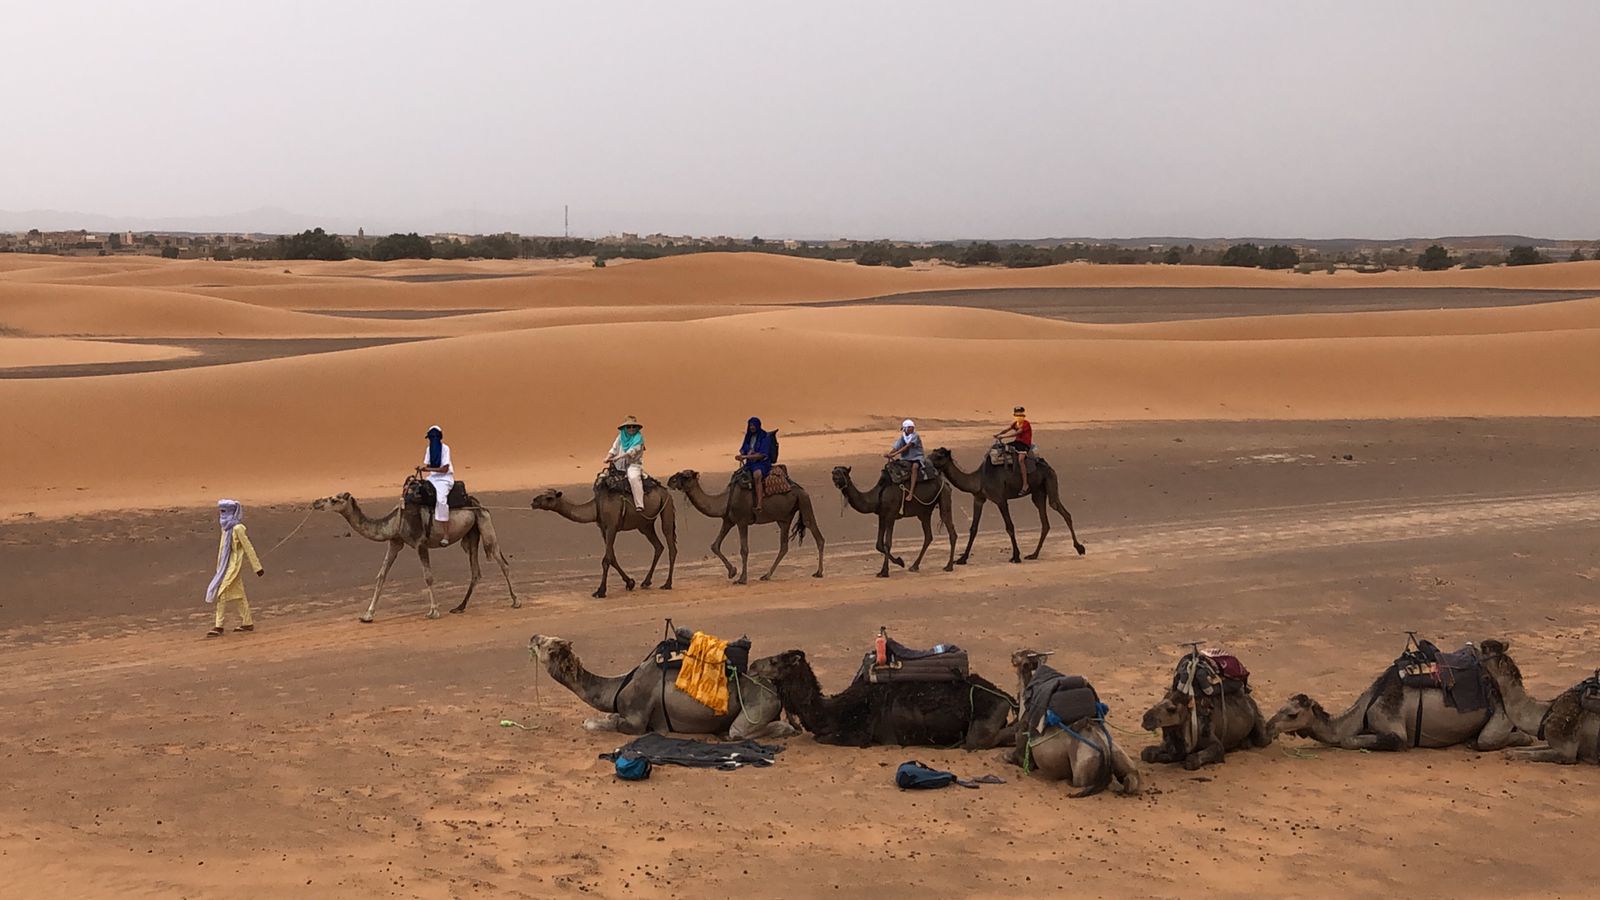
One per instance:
(800, 527)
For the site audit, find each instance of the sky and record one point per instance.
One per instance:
(917, 120)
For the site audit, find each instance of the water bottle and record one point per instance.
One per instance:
(881, 647)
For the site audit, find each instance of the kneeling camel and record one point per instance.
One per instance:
(1569, 728)
(1082, 754)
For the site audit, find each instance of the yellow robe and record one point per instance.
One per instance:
(232, 587)
(704, 675)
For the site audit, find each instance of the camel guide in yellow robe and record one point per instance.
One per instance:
(232, 553)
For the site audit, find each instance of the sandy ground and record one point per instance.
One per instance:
(1300, 488)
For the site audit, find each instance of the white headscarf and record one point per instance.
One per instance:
(907, 424)
(229, 514)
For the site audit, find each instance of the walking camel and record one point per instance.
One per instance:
(888, 502)
(736, 508)
(1000, 485)
(469, 526)
(614, 512)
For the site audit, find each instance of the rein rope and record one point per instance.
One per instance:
(291, 534)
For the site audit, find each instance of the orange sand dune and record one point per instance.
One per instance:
(20, 352)
(61, 309)
(532, 406)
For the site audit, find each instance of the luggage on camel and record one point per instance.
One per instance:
(670, 653)
(617, 482)
(1054, 699)
(703, 672)
(1465, 684)
(661, 750)
(776, 482)
(420, 492)
(892, 661)
(1211, 672)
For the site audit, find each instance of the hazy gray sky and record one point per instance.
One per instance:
(918, 119)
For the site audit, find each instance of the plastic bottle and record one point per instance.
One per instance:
(881, 645)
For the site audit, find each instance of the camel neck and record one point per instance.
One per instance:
(372, 529)
(803, 693)
(967, 482)
(1526, 713)
(713, 505)
(598, 691)
(583, 513)
(858, 501)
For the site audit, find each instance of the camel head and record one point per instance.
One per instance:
(941, 457)
(682, 480)
(841, 477)
(556, 653)
(1170, 712)
(338, 502)
(549, 499)
(1295, 716)
(779, 668)
(1492, 654)
(1026, 662)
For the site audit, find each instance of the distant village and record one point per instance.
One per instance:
(1305, 256)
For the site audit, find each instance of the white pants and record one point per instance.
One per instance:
(441, 495)
(635, 481)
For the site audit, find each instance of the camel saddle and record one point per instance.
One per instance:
(1589, 692)
(420, 492)
(669, 653)
(1004, 456)
(617, 482)
(945, 662)
(1051, 698)
(1459, 674)
(898, 472)
(1215, 672)
(776, 482)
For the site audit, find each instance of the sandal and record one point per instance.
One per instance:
(215, 632)
(245, 628)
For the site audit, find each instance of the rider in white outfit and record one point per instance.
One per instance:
(627, 455)
(437, 469)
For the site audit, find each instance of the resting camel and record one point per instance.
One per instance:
(1000, 485)
(1085, 757)
(1197, 732)
(642, 700)
(469, 526)
(736, 508)
(972, 713)
(1570, 731)
(1385, 717)
(888, 502)
(613, 513)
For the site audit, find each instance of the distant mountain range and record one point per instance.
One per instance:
(275, 220)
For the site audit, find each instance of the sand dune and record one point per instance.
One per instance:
(539, 405)
(28, 352)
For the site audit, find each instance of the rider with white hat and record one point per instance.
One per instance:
(909, 448)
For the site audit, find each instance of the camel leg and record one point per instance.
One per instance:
(1210, 751)
(808, 520)
(744, 554)
(716, 548)
(491, 550)
(1561, 752)
(1011, 529)
(1126, 771)
(947, 516)
(1259, 737)
(383, 576)
(972, 533)
(1055, 503)
(427, 578)
(783, 548)
(669, 533)
(649, 532)
(470, 545)
(609, 562)
(1044, 525)
(926, 519)
(885, 538)
(1499, 733)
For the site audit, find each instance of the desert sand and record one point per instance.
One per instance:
(1300, 487)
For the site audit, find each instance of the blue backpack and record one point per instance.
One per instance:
(915, 775)
(632, 767)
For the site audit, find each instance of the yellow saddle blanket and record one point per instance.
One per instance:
(704, 675)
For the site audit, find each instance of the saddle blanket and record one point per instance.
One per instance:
(1459, 674)
(670, 653)
(776, 482)
(898, 472)
(617, 482)
(420, 492)
(703, 672)
(946, 662)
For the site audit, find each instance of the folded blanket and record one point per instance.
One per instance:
(670, 751)
(704, 675)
